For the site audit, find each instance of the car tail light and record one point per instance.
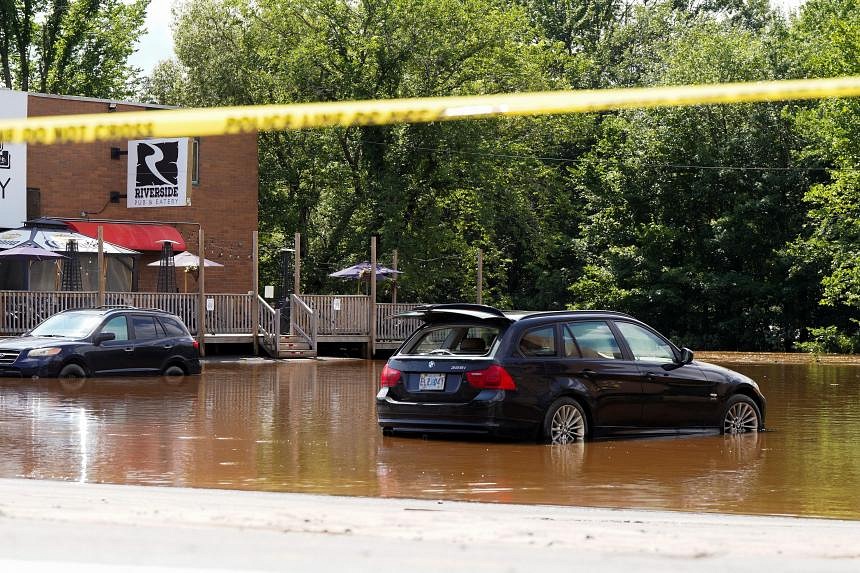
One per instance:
(196, 344)
(493, 378)
(389, 377)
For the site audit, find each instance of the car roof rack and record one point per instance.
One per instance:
(129, 307)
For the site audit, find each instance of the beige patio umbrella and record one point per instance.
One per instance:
(187, 261)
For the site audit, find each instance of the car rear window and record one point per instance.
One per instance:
(539, 342)
(460, 340)
(172, 326)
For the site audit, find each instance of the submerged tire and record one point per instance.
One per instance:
(174, 370)
(72, 371)
(565, 422)
(740, 416)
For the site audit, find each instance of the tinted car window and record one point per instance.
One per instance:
(460, 340)
(172, 327)
(571, 350)
(595, 339)
(118, 325)
(144, 327)
(644, 344)
(539, 342)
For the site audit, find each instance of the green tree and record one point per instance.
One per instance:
(826, 42)
(435, 192)
(689, 208)
(74, 47)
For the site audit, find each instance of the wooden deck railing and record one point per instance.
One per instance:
(304, 321)
(390, 329)
(340, 315)
(181, 304)
(270, 322)
(21, 311)
(349, 315)
(311, 315)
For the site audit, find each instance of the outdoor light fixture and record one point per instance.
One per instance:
(116, 152)
(112, 106)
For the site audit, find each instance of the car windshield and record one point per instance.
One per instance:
(68, 325)
(462, 340)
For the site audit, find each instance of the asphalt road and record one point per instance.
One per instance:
(71, 527)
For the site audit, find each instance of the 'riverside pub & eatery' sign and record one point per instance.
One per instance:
(158, 173)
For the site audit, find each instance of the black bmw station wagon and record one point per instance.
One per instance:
(558, 376)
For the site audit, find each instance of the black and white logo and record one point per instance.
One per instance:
(157, 173)
(157, 163)
(5, 159)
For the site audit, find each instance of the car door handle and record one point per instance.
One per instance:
(129, 348)
(587, 373)
(653, 376)
(168, 346)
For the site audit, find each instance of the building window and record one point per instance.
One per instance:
(34, 203)
(195, 161)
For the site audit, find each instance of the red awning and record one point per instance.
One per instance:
(137, 236)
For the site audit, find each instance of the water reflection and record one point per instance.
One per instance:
(311, 427)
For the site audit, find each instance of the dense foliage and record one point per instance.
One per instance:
(730, 227)
(70, 47)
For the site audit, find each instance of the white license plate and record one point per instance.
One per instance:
(431, 382)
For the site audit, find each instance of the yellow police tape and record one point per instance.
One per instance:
(235, 120)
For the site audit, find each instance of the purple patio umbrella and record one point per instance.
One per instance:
(30, 251)
(362, 271)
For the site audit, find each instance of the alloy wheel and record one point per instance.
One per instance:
(740, 419)
(568, 425)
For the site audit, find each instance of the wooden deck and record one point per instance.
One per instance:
(229, 318)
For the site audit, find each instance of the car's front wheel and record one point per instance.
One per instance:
(72, 371)
(740, 416)
(565, 422)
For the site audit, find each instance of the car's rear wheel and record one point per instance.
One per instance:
(740, 416)
(72, 371)
(174, 370)
(565, 422)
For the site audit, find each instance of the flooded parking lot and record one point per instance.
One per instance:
(310, 427)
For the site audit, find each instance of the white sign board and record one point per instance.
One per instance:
(158, 173)
(335, 304)
(13, 165)
(210, 304)
(268, 291)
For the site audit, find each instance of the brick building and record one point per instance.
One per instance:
(76, 183)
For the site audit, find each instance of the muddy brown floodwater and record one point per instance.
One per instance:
(310, 427)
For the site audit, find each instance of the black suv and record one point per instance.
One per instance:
(102, 341)
(560, 376)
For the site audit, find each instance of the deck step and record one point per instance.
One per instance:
(297, 353)
(294, 346)
(291, 338)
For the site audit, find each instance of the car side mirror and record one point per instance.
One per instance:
(104, 337)
(686, 355)
(685, 358)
